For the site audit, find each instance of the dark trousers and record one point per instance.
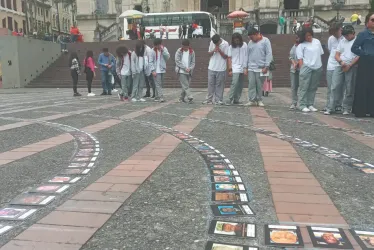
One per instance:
(149, 82)
(74, 76)
(89, 78)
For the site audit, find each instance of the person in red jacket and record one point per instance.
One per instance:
(74, 32)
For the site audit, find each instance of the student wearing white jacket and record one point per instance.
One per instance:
(139, 67)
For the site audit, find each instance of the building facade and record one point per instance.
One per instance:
(101, 14)
(12, 15)
(63, 17)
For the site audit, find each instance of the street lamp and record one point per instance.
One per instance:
(337, 4)
(97, 12)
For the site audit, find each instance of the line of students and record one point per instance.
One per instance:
(240, 59)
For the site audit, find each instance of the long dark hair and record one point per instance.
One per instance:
(367, 18)
(121, 51)
(236, 36)
(73, 55)
(89, 54)
(303, 33)
(139, 48)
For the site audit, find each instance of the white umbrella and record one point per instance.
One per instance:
(132, 14)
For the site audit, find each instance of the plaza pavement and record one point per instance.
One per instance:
(147, 189)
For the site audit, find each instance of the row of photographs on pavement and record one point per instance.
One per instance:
(27, 204)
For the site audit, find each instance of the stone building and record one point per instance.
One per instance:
(100, 15)
(12, 14)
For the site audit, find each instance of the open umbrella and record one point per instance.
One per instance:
(132, 14)
(238, 14)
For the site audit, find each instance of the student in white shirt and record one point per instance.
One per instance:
(218, 50)
(185, 64)
(345, 74)
(336, 36)
(237, 61)
(139, 67)
(309, 53)
(123, 70)
(294, 71)
(159, 56)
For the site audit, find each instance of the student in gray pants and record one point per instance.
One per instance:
(123, 70)
(344, 75)
(218, 50)
(159, 56)
(259, 57)
(237, 62)
(139, 65)
(309, 53)
(185, 64)
(294, 73)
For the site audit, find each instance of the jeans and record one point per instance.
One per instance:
(74, 76)
(74, 38)
(63, 46)
(105, 81)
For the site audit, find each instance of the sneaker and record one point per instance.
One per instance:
(147, 95)
(219, 103)
(327, 112)
(77, 94)
(114, 90)
(305, 110)
(237, 102)
(250, 104)
(142, 100)
(126, 99)
(228, 102)
(104, 93)
(181, 100)
(346, 112)
(90, 94)
(293, 107)
(153, 96)
(261, 104)
(120, 96)
(134, 100)
(207, 102)
(338, 109)
(190, 100)
(156, 100)
(162, 100)
(313, 109)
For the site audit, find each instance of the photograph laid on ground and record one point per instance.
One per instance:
(64, 179)
(227, 187)
(50, 189)
(75, 171)
(221, 166)
(32, 200)
(224, 172)
(278, 235)
(229, 197)
(227, 228)
(364, 238)
(329, 237)
(226, 179)
(4, 228)
(10, 213)
(231, 210)
(222, 246)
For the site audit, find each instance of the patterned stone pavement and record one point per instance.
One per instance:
(97, 173)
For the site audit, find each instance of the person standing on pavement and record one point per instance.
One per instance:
(237, 62)
(89, 69)
(259, 57)
(106, 62)
(309, 53)
(74, 71)
(345, 74)
(139, 66)
(218, 51)
(294, 72)
(149, 79)
(332, 43)
(363, 47)
(185, 64)
(159, 56)
(161, 31)
(123, 70)
(184, 28)
(282, 22)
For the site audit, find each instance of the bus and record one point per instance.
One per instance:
(206, 24)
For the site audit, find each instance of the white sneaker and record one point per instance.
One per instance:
(313, 109)
(141, 100)
(114, 91)
(305, 110)
(346, 113)
(261, 104)
(327, 112)
(134, 100)
(250, 104)
(219, 103)
(91, 94)
(293, 107)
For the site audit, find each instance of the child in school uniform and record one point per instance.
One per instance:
(294, 72)
(160, 55)
(123, 70)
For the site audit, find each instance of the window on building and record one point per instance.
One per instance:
(15, 5)
(3, 3)
(38, 11)
(23, 6)
(4, 22)
(54, 21)
(24, 27)
(9, 4)
(15, 26)
(10, 23)
(46, 13)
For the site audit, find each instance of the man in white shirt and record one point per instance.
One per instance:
(336, 36)
(159, 56)
(345, 74)
(218, 50)
(237, 62)
(185, 64)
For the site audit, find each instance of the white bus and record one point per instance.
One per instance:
(207, 24)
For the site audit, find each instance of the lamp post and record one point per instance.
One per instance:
(97, 30)
(118, 4)
(337, 4)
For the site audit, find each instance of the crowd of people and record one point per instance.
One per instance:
(349, 71)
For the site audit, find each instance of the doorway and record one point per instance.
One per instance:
(291, 4)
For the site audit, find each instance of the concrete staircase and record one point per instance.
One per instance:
(57, 75)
